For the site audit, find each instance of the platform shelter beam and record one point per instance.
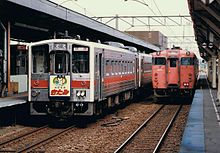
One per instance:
(214, 71)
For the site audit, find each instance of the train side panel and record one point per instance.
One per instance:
(159, 70)
(188, 72)
(72, 77)
(145, 73)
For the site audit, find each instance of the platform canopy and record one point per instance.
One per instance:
(33, 20)
(206, 18)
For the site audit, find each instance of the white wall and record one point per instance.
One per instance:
(22, 82)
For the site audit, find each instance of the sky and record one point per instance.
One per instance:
(97, 8)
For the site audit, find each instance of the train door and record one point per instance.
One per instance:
(2, 84)
(59, 78)
(142, 71)
(173, 72)
(137, 72)
(98, 75)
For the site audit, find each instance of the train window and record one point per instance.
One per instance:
(40, 59)
(112, 67)
(159, 61)
(119, 67)
(116, 67)
(186, 61)
(59, 62)
(108, 67)
(129, 67)
(122, 67)
(80, 59)
(173, 62)
(125, 67)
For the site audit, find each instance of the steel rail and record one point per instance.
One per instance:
(122, 146)
(44, 140)
(23, 135)
(156, 149)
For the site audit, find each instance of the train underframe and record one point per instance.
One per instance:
(66, 109)
(174, 92)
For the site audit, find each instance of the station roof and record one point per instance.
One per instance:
(206, 18)
(33, 20)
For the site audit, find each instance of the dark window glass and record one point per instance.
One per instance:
(59, 62)
(186, 61)
(40, 59)
(159, 61)
(80, 59)
(173, 62)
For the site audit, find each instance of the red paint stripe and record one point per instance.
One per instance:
(117, 79)
(149, 74)
(44, 84)
(39, 83)
(80, 84)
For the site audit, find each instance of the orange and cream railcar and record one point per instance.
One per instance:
(174, 73)
(73, 77)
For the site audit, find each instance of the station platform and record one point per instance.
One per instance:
(202, 131)
(13, 100)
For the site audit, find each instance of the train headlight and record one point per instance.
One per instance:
(186, 84)
(158, 53)
(83, 93)
(78, 93)
(187, 53)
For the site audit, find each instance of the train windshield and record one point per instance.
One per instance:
(186, 61)
(40, 59)
(173, 62)
(159, 61)
(59, 62)
(80, 59)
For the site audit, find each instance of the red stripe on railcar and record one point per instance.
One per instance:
(39, 83)
(44, 84)
(80, 84)
(147, 74)
(117, 79)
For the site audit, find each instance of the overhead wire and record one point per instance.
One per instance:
(162, 15)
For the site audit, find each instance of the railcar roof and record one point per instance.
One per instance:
(165, 52)
(81, 42)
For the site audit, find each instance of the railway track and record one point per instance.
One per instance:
(150, 135)
(32, 139)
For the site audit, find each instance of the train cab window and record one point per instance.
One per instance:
(40, 59)
(173, 62)
(60, 62)
(186, 61)
(80, 59)
(159, 61)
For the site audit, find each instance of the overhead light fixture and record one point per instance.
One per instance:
(30, 27)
